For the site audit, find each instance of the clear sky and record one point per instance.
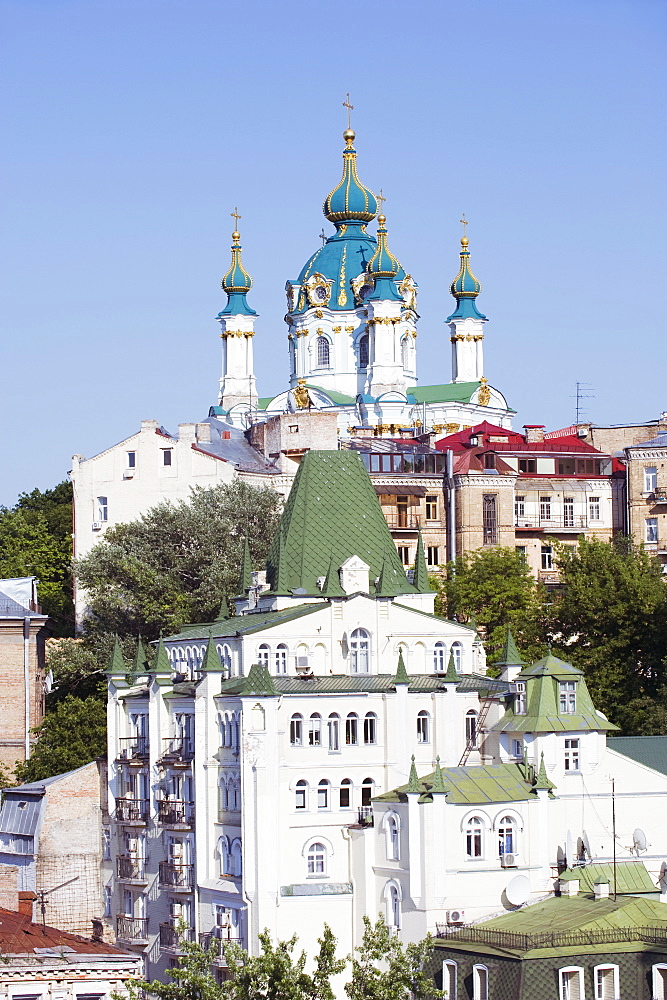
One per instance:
(131, 129)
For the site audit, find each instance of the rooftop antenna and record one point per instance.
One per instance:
(582, 394)
(43, 893)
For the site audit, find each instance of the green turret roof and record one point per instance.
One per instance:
(117, 666)
(223, 613)
(391, 582)
(140, 666)
(259, 682)
(420, 579)
(413, 781)
(542, 782)
(211, 662)
(245, 581)
(401, 675)
(332, 513)
(438, 785)
(509, 656)
(332, 587)
(161, 663)
(451, 677)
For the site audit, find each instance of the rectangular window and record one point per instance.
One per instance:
(568, 512)
(301, 796)
(102, 509)
(431, 508)
(568, 697)
(480, 982)
(166, 456)
(131, 459)
(519, 508)
(650, 478)
(520, 550)
(571, 755)
(404, 554)
(517, 748)
(651, 530)
(545, 508)
(490, 522)
(370, 729)
(432, 555)
(547, 557)
(571, 984)
(594, 508)
(606, 982)
(659, 991)
(520, 698)
(527, 465)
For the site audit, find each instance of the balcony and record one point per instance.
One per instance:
(132, 811)
(133, 749)
(129, 869)
(176, 877)
(365, 816)
(177, 750)
(218, 939)
(403, 522)
(132, 929)
(173, 936)
(570, 522)
(175, 812)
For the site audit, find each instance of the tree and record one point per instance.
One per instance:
(76, 670)
(386, 969)
(495, 587)
(72, 735)
(176, 562)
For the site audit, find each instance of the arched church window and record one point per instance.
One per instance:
(363, 351)
(405, 352)
(322, 352)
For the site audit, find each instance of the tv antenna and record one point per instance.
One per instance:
(43, 893)
(580, 394)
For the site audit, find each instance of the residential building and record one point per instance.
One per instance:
(647, 495)
(23, 634)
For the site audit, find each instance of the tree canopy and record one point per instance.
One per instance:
(71, 735)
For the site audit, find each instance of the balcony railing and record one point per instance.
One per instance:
(173, 937)
(132, 810)
(133, 748)
(365, 815)
(176, 876)
(570, 522)
(218, 939)
(178, 749)
(132, 928)
(552, 939)
(175, 812)
(130, 868)
(403, 522)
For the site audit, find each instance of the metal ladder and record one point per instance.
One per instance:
(471, 745)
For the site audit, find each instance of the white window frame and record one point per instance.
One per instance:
(432, 555)
(296, 730)
(316, 858)
(659, 979)
(472, 733)
(280, 658)
(263, 655)
(440, 657)
(475, 829)
(599, 994)
(301, 795)
(457, 653)
(594, 509)
(567, 697)
(547, 557)
(131, 458)
(423, 727)
(651, 529)
(360, 651)
(102, 509)
(392, 830)
(507, 829)
(563, 986)
(323, 352)
(370, 729)
(572, 758)
(449, 979)
(324, 794)
(480, 982)
(519, 507)
(545, 507)
(520, 699)
(315, 730)
(650, 478)
(352, 730)
(333, 732)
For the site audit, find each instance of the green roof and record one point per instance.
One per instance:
(264, 401)
(363, 683)
(336, 397)
(509, 656)
(631, 877)
(648, 750)
(452, 392)
(243, 624)
(332, 513)
(475, 784)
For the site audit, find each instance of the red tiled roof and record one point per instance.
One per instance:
(515, 442)
(18, 936)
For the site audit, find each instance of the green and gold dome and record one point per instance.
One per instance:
(236, 282)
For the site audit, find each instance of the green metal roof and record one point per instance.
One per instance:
(452, 392)
(475, 784)
(336, 397)
(365, 683)
(243, 624)
(648, 750)
(631, 877)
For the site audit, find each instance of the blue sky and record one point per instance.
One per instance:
(132, 128)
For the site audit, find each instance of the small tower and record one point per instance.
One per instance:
(466, 323)
(385, 372)
(238, 393)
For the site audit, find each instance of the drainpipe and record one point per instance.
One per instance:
(26, 682)
(628, 529)
(451, 509)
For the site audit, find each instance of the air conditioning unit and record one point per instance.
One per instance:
(508, 861)
(97, 525)
(456, 916)
(302, 666)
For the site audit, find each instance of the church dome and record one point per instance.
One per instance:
(465, 288)
(237, 280)
(350, 200)
(383, 264)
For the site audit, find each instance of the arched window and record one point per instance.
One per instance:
(322, 352)
(352, 729)
(405, 352)
(571, 982)
(224, 856)
(457, 652)
(301, 794)
(296, 730)
(449, 980)
(226, 660)
(480, 984)
(263, 655)
(237, 795)
(237, 858)
(333, 728)
(281, 658)
(363, 351)
(367, 791)
(359, 651)
(392, 840)
(471, 728)
(345, 794)
(475, 837)
(393, 900)
(423, 727)
(317, 859)
(323, 794)
(440, 657)
(315, 730)
(605, 978)
(370, 728)
(222, 795)
(506, 836)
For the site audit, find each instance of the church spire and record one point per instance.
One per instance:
(466, 325)
(236, 282)
(238, 393)
(383, 267)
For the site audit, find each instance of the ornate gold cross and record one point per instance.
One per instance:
(464, 222)
(380, 198)
(235, 215)
(350, 109)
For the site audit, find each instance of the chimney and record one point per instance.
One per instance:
(26, 899)
(149, 425)
(569, 887)
(187, 432)
(98, 930)
(204, 432)
(534, 433)
(601, 890)
(9, 887)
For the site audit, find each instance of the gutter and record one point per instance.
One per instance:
(26, 682)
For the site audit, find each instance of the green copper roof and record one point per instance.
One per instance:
(651, 751)
(451, 677)
(245, 580)
(420, 579)
(364, 683)
(117, 666)
(452, 392)
(332, 512)
(243, 624)
(259, 682)
(350, 200)
(543, 713)
(211, 662)
(474, 784)
(140, 666)
(401, 676)
(509, 656)
(335, 396)
(631, 877)
(161, 663)
(413, 785)
(438, 785)
(224, 610)
(542, 782)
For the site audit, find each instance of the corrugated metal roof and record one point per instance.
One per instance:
(20, 812)
(648, 750)
(244, 624)
(476, 784)
(370, 683)
(631, 877)
(19, 936)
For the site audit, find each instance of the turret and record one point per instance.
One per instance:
(466, 323)
(238, 393)
(385, 303)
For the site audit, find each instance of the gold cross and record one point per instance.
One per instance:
(235, 215)
(464, 222)
(350, 109)
(323, 237)
(380, 198)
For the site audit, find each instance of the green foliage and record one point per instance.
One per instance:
(73, 734)
(76, 671)
(495, 587)
(177, 562)
(386, 969)
(191, 979)
(36, 540)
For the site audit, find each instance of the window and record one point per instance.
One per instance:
(322, 352)
(571, 983)
(224, 856)
(370, 728)
(489, 460)
(394, 907)
(545, 508)
(449, 980)
(432, 555)
(480, 982)
(363, 351)
(527, 465)
(474, 837)
(659, 991)
(263, 655)
(568, 512)
(520, 701)
(520, 551)
(367, 791)
(405, 352)
(323, 794)
(359, 651)
(333, 727)
(237, 859)
(131, 459)
(471, 728)
(457, 653)
(404, 554)
(108, 900)
(317, 859)
(281, 659)
(519, 508)
(517, 748)
(296, 730)
(650, 478)
(315, 730)
(606, 982)
(568, 697)
(506, 836)
(490, 523)
(392, 840)
(423, 727)
(571, 755)
(345, 794)
(301, 793)
(547, 557)
(440, 657)
(166, 456)
(431, 508)
(651, 531)
(594, 508)
(102, 509)
(352, 730)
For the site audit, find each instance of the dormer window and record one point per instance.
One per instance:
(520, 705)
(474, 440)
(568, 697)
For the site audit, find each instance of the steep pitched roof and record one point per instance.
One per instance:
(472, 785)
(332, 513)
(420, 579)
(509, 656)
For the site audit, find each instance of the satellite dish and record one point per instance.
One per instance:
(518, 890)
(569, 850)
(587, 846)
(639, 841)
